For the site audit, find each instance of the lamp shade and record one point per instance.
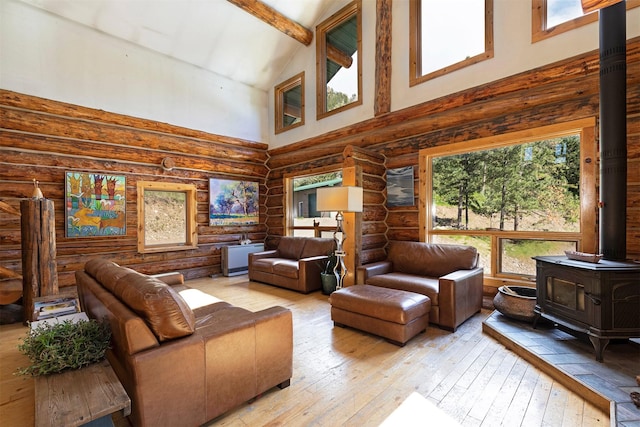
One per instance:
(339, 199)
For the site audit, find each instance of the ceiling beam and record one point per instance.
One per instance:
(275, 19)
(593, 5)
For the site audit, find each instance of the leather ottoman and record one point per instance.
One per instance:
(393, 314)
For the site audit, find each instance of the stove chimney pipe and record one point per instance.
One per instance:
(613, 132)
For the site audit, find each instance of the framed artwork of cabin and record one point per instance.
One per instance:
(400, 187)
(95, 204)
(233, 202)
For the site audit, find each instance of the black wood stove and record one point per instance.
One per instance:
(601, 301)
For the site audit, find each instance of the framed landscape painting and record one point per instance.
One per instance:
(233, 202)
(400, 187)
(95, 204)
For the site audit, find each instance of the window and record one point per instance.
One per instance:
(446, 36)
(339, 61)
(551, 17)
(289, 104)
(302, 217)
(513, 196)
(166, 217)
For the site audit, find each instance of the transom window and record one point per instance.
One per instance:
(551, 17)
(339, 61)
(166, 217)
(303, 219)
(513, 196)
(448, 35)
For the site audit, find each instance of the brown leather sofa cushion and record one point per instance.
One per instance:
(431, 260)
(316, 246)
(291, 247)
(164, 310)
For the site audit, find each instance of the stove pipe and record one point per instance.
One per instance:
(613, 132)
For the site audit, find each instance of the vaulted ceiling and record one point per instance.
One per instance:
(222, 36)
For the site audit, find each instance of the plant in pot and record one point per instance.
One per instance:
(327, 275)
(57, 347)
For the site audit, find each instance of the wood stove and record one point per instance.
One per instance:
(601, 301)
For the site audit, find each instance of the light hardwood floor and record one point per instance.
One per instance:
(345, 377)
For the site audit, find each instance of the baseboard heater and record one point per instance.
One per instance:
(235, 259)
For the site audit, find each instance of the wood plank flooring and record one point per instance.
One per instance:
(343, 377)
(571, 361)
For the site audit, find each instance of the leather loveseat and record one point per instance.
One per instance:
(183, 356)
(295, 264)
(448, 274)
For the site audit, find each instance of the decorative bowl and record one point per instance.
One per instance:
(583, 256)
(516, 302)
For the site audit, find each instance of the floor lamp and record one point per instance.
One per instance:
(340, 200)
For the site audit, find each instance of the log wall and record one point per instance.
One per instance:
(42, 139)
(558, 92)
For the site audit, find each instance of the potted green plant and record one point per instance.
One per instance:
(56, 347)
(327, 275)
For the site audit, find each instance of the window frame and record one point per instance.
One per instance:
(279, 92)
(539, 30)
(586, 238)
(191, 234)
(322, 29)
(415, 45)
(289, 204)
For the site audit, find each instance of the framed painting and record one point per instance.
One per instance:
(233, 202)
(400, 187)
(95, 204)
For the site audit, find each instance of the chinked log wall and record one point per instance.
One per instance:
(558, 92)
(41, 139)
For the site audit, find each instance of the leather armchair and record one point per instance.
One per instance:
(447, 274)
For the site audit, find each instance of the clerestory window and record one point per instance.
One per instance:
(339, 61)
(448, 35)
(552, 17)
(513, 197)
(289, 103)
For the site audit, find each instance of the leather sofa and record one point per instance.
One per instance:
(295, 264)
(448, 274)
(183, 356)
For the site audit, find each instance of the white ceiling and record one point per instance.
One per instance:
(212, 34)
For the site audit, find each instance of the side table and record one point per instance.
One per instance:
(80, 396)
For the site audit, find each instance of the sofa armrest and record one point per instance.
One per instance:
(366, 271)
(264, 254)
(172, 278)
(460, 297)
(309, 270)
(274, 347)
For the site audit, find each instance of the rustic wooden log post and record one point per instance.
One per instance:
(38, 236)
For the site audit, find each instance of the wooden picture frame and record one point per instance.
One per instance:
(233, 202)
(400, 187)
(95, 204)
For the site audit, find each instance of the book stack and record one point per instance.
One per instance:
(54, 307)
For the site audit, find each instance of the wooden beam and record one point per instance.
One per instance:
(338, 56)
(593, 5)
(382, 101)
(276, 20)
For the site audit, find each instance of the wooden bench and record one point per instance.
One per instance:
(393, 314)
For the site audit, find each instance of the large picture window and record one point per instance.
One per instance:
(339, 61)
(166, 217)
(513, 196)
(303, 218)
(448, 35)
